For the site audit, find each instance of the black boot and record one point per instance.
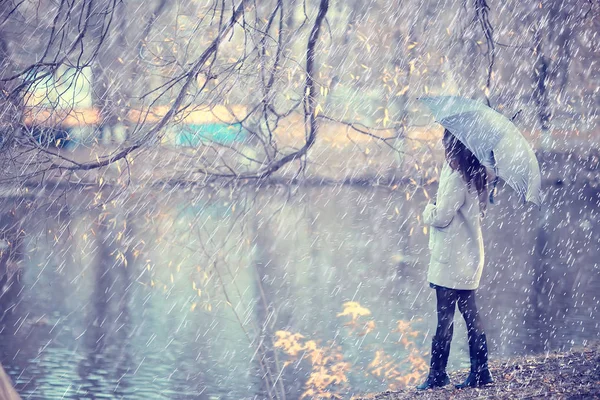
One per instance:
(480, 374)
(440, 350)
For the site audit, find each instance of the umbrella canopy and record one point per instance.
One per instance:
(493, 139)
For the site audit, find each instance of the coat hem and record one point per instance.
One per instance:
(436, 286)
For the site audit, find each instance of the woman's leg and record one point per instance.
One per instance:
(480, 374)
(440, 343)
(446, 304)
(468, 308)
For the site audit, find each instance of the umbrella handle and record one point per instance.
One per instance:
(494, 184)
(495, 181)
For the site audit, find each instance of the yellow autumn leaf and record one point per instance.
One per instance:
(318, 109)
(386, 118)
(354, 309)
(403, 91)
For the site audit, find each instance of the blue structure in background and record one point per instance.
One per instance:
(58, 137)
(195, 134)
(192, 135)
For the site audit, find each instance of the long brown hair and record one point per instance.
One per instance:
(462, 159)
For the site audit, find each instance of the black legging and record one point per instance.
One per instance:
(446, 303)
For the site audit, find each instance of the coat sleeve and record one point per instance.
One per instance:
(448, 203)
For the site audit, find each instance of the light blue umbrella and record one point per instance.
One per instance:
(493, 139)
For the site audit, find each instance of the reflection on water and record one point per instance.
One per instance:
(178, 295)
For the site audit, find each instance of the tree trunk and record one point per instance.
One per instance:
(109, 74)
(7, 392)
(11, 110)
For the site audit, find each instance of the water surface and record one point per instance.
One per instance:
(178, 294)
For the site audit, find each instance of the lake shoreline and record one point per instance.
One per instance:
(348, 165)
(573, 374)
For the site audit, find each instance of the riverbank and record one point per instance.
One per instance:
(340, 156)
(569, 375)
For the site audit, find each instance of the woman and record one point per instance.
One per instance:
(456, 264)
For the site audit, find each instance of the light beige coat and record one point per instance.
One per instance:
(455, 238)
